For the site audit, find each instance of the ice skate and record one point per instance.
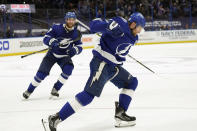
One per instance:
(26, 94)
(121, 118)
(51, 123)
(54, 94)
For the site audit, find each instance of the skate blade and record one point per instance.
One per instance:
(119, 123)
(53, 97)
(45, 125)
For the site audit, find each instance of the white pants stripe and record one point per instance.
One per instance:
(35, 83)
(62, 79)
(128, 92)
(75, 105)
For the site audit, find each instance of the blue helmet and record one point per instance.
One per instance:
(70, 15)
(138, 18)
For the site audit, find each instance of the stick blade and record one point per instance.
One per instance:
(45, 125)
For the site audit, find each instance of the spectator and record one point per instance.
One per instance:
(193, 26)
(42, 33)
(175, 10)
(186, 26)
(163, 27)
(168, 27)
(161, 12)
(9, 33)
(29, 33)
(99, 14)
(1, 34)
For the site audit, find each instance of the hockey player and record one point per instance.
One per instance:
(64, 41)
(118, 35)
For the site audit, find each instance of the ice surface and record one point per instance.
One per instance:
(167, 102)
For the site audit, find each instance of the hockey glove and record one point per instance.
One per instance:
(54, 46)
(72, 52)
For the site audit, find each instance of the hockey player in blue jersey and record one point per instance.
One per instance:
(64, 41)
(118, 35)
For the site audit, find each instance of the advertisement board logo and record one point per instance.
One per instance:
(4, 45)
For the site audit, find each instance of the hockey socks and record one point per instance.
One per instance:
(68, 109)
(127, 93)
(61, 81)
(82, 99)
(36, 81)
(125, 98)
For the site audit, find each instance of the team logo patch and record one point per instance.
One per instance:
(123, 49)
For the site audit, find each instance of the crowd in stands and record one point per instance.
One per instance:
(160, 9)
(89, 9)
(157, 8)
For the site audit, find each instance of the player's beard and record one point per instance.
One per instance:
(70, 26)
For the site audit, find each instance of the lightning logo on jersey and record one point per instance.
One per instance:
(122, 49)
(65, 43)
(98, 73)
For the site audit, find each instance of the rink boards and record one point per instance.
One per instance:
(21, 46)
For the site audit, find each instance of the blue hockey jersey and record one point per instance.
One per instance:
(111, 49)
(58, 33)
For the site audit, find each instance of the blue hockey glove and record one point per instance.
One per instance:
(72, 52)
(54, 46)
(115, 29)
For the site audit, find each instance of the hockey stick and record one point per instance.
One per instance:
(141, 64)
(81, 23)
(43, 124)
(34, 53)
(71, 41)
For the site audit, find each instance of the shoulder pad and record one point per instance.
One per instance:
(123, 19)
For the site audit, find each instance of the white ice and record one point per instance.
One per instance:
(163, 102)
